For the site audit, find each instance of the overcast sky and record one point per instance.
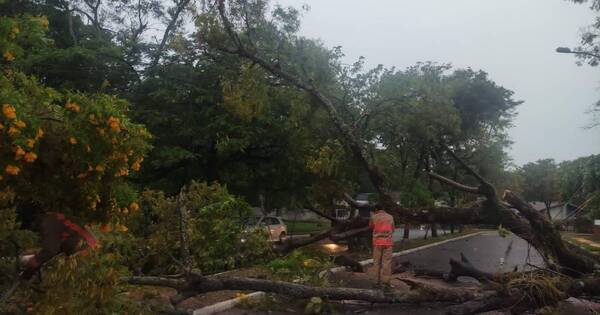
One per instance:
(512, 40)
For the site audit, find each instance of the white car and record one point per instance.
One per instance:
(273, 226)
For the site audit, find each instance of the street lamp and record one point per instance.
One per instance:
(567, 50)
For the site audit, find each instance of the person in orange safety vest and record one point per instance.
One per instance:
(382, 224)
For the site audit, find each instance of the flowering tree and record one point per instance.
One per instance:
(63, 150)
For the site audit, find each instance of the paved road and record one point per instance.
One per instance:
(414, 233)
(484, 252)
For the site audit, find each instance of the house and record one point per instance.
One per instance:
(558, 210)
(367, 198)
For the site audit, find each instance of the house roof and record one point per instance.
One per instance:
(540, 206)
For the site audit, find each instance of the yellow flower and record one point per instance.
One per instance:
(73, 106)
(8, 56)
(122, 172)
(136, 166)
(12, 170)
(9, 111)
(99, 168)
(30, 142)
(30, 157)
(114, 124)
(39, 134)
(19, 153)
(121, 228)
(134, 206)
(73, 141)
(20, 124)
(13, 132)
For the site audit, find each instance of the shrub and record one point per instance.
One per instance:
(215, 229)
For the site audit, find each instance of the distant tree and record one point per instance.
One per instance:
(580, 183)
(590, 48)
(540, 182)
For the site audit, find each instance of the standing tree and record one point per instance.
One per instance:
(540, 182)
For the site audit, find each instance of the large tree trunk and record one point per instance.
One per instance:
(196, 284)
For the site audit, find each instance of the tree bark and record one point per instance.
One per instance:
(170, 27)
(197, 284)
(183, 232)
(549, 238)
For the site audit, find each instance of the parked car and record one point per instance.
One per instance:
(274, 227)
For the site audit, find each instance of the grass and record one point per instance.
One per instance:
(587, 242)
(305, 227)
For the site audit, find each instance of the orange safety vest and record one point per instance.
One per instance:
(383, 228)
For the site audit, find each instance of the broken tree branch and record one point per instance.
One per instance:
(457, 185)
(464, 165)
(550, 237)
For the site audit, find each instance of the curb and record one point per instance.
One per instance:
(228, 304)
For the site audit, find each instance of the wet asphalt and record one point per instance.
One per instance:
(488, 252)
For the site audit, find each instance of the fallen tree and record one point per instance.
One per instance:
(194, 284)
(509, 211)
(527, 224)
